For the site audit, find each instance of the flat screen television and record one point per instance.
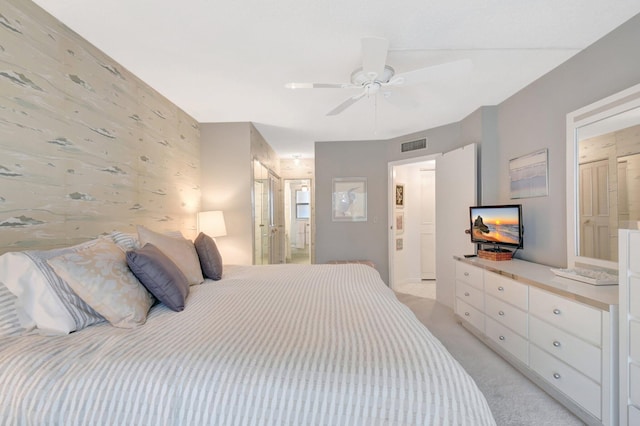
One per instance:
(500, 226)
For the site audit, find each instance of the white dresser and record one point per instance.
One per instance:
(629, 260)
(560, 333)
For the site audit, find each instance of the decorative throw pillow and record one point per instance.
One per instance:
(100, 276)
(180, 250)
(159, 275)
(45, 300)
(209, 255)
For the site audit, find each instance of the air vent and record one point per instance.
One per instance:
(413, 145)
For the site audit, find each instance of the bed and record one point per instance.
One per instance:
(264, 345)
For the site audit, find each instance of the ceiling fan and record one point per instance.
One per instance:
(375, 76)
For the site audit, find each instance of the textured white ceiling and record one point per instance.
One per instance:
(229, 61)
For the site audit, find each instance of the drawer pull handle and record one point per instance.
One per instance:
(556, 311)
(466, 314)
(556, 343)
(500, 288)
(466, 274)
(501, 313)
(466, 293)
(556, 376)
(501, 337)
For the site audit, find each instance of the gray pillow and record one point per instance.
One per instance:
(210, 258)
(159, 275)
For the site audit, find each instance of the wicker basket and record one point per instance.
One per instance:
(495, 255)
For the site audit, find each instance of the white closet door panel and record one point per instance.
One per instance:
(456, 187)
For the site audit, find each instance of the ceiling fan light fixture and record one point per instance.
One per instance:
(361, 78)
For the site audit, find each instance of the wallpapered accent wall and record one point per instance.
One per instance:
(85, 146)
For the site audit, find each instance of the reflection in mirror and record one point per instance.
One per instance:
(609, 184)
(603, 178)
(608, 192)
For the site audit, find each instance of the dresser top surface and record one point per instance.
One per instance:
(601, 297)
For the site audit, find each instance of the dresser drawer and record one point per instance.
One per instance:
(579, 354)
(634, 384)
(470, 295)
(506, 289)
(470, 314)
(578, 387)
(634, 296)
(507, 339)
(577, 319)
(469, 274)
(506, 314)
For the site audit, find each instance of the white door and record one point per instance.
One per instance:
(428, 225)
(456, 175)
(594, 210)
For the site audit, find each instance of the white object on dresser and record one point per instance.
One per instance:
(560, 333)
(589, 276)
(629, 259)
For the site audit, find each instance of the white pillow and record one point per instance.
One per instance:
(99, 274)
(180, 250)
(45, 300)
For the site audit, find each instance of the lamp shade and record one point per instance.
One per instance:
(212, 223)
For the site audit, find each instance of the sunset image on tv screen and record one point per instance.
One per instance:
(499, 225)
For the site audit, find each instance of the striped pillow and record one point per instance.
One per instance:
(45, 298)
(9, 320)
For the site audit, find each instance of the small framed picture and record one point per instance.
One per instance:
(349, 199)
(399, 222)
(399, 196)
(398, 244)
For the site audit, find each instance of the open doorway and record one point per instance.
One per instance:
(455, 190)
(413, 249)
(297, 220)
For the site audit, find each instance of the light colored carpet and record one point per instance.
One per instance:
(513, 399)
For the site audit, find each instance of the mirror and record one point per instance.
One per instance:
(603, 178)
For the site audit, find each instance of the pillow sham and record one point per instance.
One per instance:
(100, 276)
(180, 250)
(45, 300)
(125, 240)
(9, 318)
(209, 255)
(159, 275)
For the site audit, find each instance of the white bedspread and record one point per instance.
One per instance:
(272, 345)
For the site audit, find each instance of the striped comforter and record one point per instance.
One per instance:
(266, 345)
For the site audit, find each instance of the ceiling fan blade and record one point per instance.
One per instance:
(402, 101)
(319, 85)
(374, 56)
(435, 72)
(346, 104)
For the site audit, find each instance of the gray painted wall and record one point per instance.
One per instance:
(366, 240)
(531, 119)
(226, 185)
(85, 146)
(352, 240)
(535, 118)
(227, 152)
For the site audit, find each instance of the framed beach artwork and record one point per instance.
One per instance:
(349, 200)
(528, 175)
